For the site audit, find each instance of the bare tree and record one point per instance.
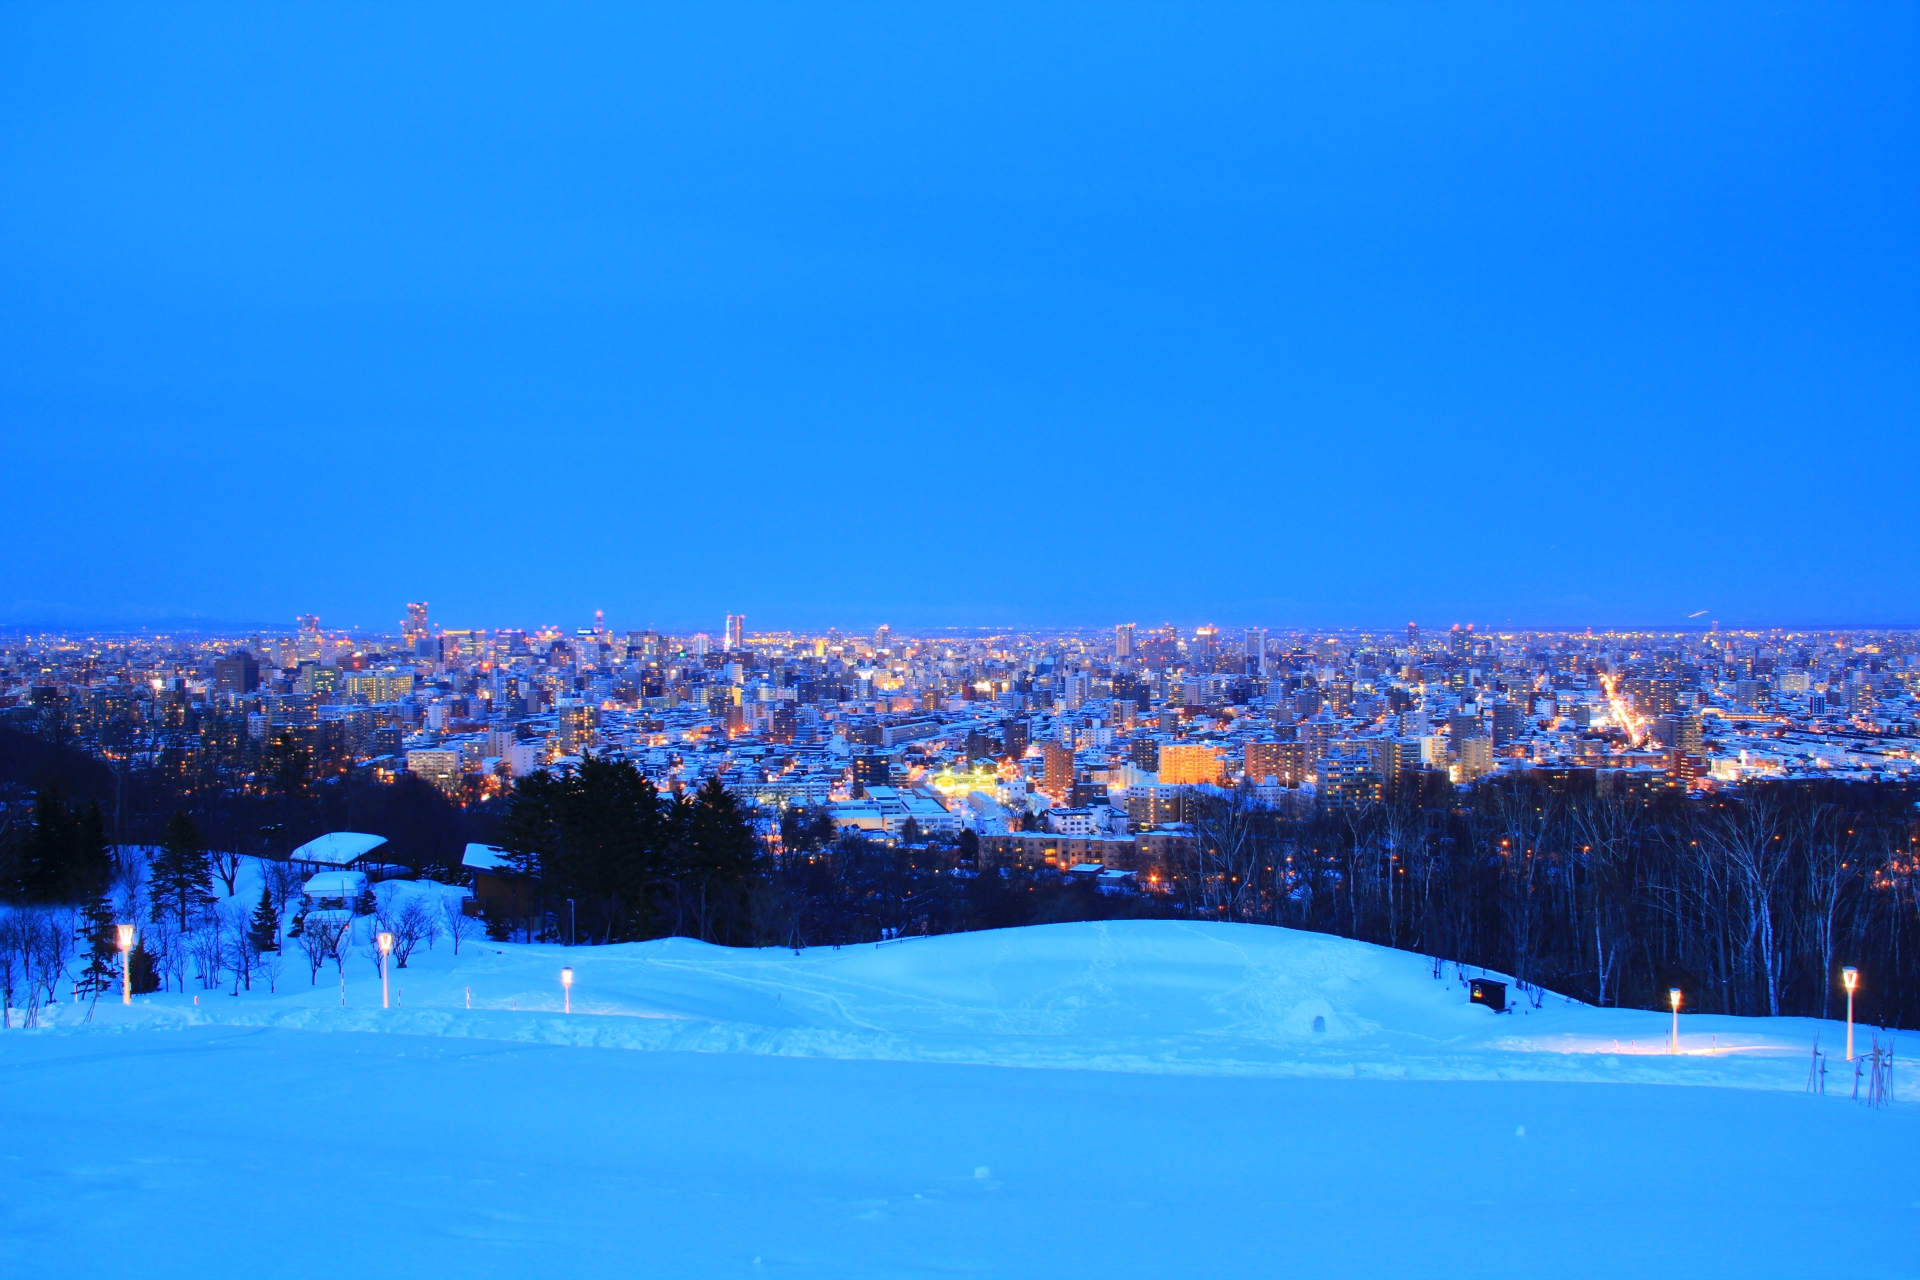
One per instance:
(457, 923)
(162, 940)
(322, 937)
(11, 959)
(237, 944)
(226, 865)
(268, 966)
(1748, 837)
(208, 947)
(50, 948)
(283, 883)
(412, 925)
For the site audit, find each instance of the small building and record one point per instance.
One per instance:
(335, 850)
(1489, 993)
(335, 890)
(499, 892)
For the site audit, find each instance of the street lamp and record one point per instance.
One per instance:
(1673, 998)
(1849, 978)
(566, 986)
(126, 968)
(386, 949)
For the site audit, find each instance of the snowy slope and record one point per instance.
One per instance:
(1161, 996)
(875, 1111)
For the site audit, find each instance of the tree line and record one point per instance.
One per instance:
(1750, 902)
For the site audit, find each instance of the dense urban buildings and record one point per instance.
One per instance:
(1018, 736)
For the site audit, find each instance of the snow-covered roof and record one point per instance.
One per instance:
(335, 884)
(485, 857)
(338, 848)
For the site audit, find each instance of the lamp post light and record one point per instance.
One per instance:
(1673, 998)
(386, 949)
(1849, 978)
(566, 986)
(125, 932)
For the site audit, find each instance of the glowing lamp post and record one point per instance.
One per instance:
(125, 932)
(386, 949)
(1673, 998)
(566, 986)
(1849, 978)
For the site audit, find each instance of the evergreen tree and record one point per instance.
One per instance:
(181, 878)
(366, 904)
(100, 932)
(718, 861)
(146, 974)
(43, 868)
(264, 928)
(89, 866)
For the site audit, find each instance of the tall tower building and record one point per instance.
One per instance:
(736, 631)
(415, 627)
(883, 637)
(1057, 774)
(1413, 636)
(1123, 640)
(1257, 647)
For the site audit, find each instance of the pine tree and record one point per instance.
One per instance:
(89, 862)
(264, 928)
(43, 871)
(101, 933)
(366, 904)
(181, 878)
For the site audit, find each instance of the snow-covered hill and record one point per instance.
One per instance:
(1160, 996)
(874, 1111)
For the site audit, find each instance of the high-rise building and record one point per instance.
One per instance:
(573, 731)
(1257, 650)
(1508, 720)
(438, 765)
(1057, 777)
(1348, 781)
(1285, 761)
(702, 644)
(1476, 757)
(1413, 636)
(238, 674)
(415, 628)
(736, 631)
(1205, 640)
(1460, 641)
(883, 636)
(307, 645)
(1123, 640)
(1191, 763)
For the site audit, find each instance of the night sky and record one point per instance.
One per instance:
(1040, 314)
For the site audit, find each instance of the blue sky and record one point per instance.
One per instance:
(1042, 314)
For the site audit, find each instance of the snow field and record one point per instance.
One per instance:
(876, 1111)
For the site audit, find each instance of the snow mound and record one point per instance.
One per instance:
(1133, 996)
